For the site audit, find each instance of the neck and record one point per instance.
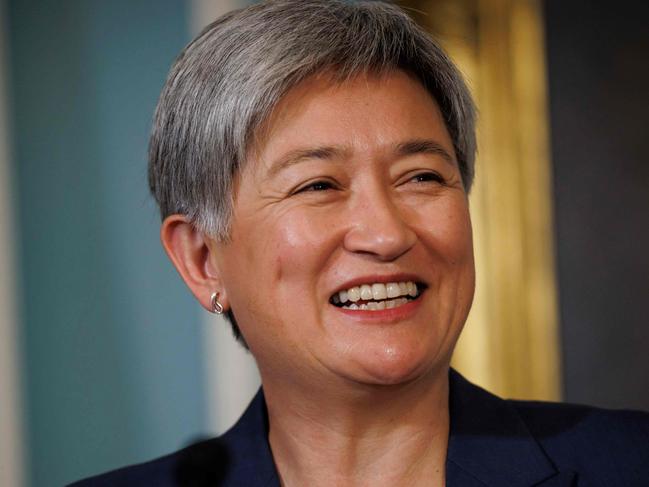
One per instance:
(360, 435)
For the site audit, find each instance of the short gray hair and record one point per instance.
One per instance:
(225, 84)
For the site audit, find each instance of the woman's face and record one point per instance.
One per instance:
(353, 188)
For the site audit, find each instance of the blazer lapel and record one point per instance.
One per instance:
(561, 479)
(489, 444)
(249, 458)
(457, 476)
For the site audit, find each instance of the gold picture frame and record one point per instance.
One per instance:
(510, 344)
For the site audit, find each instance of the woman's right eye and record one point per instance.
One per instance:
(316, 186)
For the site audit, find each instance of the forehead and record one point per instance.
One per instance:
(368, 109)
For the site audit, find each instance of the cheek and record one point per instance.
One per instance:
(298, 248)
(449, 233)
(458, 244)
(460, 237)
(294, 256)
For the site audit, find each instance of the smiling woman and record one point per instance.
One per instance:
(312, 161)
(371, 204)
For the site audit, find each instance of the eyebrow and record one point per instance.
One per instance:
(300, 155)
(424, 146)
(407, 148)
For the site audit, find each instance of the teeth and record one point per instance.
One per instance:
(392, 290)
(354, 294)
(412, 289)
(377, 292)
(366, 292)
(378, 305)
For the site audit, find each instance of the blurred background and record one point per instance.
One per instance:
(106, 360)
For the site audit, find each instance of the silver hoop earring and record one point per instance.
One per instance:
(216, 306)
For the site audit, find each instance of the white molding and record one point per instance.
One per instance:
(203, 12)
(231, 376)
(11, 441)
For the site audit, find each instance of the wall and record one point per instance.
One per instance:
(111, 340)
(599, 79)
(11, 444)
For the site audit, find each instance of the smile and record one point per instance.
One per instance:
(377, 296)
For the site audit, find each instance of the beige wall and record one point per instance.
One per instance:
(11, 457)
(510, 344)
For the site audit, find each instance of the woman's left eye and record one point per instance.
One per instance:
(428, 176)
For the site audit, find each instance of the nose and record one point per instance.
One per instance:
(378, 227)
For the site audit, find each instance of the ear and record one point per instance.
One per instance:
(191, 254)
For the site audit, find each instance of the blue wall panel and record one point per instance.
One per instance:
(111, 338)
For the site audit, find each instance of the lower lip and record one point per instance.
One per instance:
(383, 316)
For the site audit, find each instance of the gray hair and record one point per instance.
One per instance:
(225, 84)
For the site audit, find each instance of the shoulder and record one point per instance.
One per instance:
(557, 422)
(605, 442)
(202, 463)
(239, 457)
(509, 442)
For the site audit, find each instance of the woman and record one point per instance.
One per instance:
(312, 160)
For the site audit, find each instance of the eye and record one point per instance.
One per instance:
(316, 186)
(428, 176)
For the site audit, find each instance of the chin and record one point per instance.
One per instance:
(395, 365)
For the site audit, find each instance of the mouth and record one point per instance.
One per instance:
(377, 296)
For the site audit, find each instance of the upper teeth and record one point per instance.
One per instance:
(376, 291)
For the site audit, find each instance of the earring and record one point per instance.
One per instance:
(216, 306)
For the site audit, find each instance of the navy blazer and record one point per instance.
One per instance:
(493, 442)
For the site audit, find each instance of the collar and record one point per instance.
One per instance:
(489, 444)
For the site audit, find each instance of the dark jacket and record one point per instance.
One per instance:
(493, 442)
